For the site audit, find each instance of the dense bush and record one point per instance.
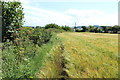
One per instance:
(37, 36)
(18, 61)
(22, 56)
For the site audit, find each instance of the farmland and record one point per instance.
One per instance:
(82, 55)
(48, 50)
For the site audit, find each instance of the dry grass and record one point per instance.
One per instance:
(51, 67)
(86, 55)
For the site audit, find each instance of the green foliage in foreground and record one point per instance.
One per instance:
(23, 56)
(12, 17)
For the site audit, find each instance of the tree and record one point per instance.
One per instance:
(97, 30)
(12, 18)
(116, 28)
(105, 29)
(84, 29)
(38, 27)
(52, 26)
(91, 29)
(66, 28)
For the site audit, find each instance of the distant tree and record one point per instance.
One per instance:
(97, 30)
(91, 28)
(52, 26)
(38, 27)
(66, 28)
(105, 29)
(115, 29)
(12, 18)
(84, 29)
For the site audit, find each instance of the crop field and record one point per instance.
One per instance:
(82, 55)
(53, 44)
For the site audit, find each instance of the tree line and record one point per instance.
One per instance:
(55, 26)
(101, 29)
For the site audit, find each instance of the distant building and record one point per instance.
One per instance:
(74, 30)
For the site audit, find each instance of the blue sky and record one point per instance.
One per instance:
(83, 12)
(62, 6)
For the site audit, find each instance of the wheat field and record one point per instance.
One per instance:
(82, 55)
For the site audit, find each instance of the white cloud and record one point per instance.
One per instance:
(42, 17)
(93, 17)
(37, 16)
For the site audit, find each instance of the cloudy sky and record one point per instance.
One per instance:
(67, 12)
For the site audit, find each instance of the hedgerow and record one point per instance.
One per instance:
(23, 56)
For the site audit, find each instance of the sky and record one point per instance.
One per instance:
(69, 12)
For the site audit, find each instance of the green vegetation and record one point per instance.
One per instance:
(67, 28)
(52, 26)
(12, 18)
(23, 56)
(101, 29)
(61, 28)
(24, 48)
(84, 29)
(55, 51)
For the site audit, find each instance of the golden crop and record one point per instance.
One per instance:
(84, 55)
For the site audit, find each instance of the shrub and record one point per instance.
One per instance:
(52, 26)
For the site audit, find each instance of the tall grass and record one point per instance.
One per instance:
(83, 55)
(51, 66)
(91, 55)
